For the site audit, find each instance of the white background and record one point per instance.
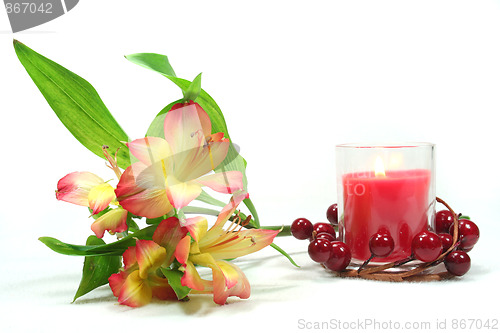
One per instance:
(293, 79)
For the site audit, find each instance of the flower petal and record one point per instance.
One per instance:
(75, 187)
(182, 250)
(198, 162)
(223, 182)
(114, 221)
(242, 243)
(216, 137)
(139, 197)
(116, 282)
(168, 234)
(130, 259)
(229, 280)
(149, 150)
(180, 194)
(100, 197)
(150, 256)
(191, 277)
(197, 227)
(135, 291)
(202, 259)
(186, 126)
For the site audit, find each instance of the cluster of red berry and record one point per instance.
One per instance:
(427, 246)
(457, 262)
(323, 246)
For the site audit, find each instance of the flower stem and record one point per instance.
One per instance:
(285, 229)
(200, 210)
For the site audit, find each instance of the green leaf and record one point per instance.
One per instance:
(98, 215)
(76, 103)
(115, 248)
(156, 62)
(132, 226)
(96, 270)
(174, 279)
(194, 89)
(156, 220)
(283, 252)
(253, 212)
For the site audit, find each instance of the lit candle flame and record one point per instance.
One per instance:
(379, 167)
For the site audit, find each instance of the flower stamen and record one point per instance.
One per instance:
(208, 141)
(113, 164)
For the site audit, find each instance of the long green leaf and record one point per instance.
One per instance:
(248, 202)
(283, 252)
(156, 62)
(115, 248)
(96, 270)
(76, 103)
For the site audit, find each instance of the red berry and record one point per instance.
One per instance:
(326, 236)
(301, 228)
(340, 257)
(468, 234)
(323, 227)
(319, 250)
(444, 218)
(446, 240)
(426, 246)
(381, 244)
(457, 263)
(332, 214)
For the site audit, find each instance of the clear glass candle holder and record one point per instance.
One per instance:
(384, 188)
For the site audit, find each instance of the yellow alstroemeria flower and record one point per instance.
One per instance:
(137, 283)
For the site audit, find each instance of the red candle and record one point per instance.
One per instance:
(393, 201)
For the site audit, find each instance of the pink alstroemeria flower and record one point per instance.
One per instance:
(212, 247)
(89, 190)
(85, 189)
(171, 171)
(137, 282)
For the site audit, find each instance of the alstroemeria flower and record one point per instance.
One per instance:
(85, 189)
(212, 247)
(137, 283)
(171, 171)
